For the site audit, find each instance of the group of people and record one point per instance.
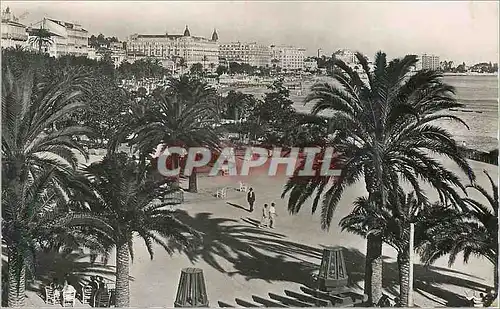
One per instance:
(59, 288)
(268, 212)
(98, 287)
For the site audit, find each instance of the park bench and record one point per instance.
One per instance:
(322, 295)
(224, 305)
(267, 302)
(289, 300)
(245, 303)
(318, 302)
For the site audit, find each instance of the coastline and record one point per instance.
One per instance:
(470, 74)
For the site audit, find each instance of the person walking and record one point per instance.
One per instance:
(265, 216)
(251, 198)
(272, 215)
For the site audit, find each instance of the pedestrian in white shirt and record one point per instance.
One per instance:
(272, 215)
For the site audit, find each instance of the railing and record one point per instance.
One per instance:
(482, 156)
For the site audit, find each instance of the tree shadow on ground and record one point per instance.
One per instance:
(263, 254)
(427, 279)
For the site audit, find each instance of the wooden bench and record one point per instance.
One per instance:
(245, 303)
(322, 295)
(267, 302)
(289, 300)
(318, 302)
(224, 305)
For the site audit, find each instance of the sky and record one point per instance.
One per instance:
(462, 31)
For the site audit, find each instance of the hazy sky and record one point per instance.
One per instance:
(459, 31)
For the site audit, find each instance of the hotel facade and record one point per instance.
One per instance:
(287, 57)
(429, 62)
(253, 54)
(171, 48)
(67, 38)
(13, 33)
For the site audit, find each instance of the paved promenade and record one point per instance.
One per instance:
(239, 259)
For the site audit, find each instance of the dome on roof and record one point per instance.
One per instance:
(186, 32)
(215, 36)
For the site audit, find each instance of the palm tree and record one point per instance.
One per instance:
(33, 161)
(393, 225)
(384, 134)
(40, 37)
(132, 202)
(182, 64)
(187, 115)
(177, 123)
(205, 58)
(472, 230)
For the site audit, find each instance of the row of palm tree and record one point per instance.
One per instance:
(384, 132)
(382, 129)
(49, 202)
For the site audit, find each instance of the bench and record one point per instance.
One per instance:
(289, 300)
(224, 305)
(318, 302)
(267, 302)
(322, 295)
(245, 303)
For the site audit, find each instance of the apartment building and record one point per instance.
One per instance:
(430, 62)
(310, 65)
(67, 38)
(115, 50)
(287, 57)
(346, 55)
(177, 48)
(13, 33)
(253, 54)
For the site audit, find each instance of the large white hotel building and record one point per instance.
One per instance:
(253, 54)
(288, 57)
(173, 47)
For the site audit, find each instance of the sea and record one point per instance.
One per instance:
(478, 93)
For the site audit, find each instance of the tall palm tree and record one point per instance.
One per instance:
(393, 225)
(182, 64)
(384, 134)
(132, 202)
(187, 116)
(40, 37)
(472, 230)
(33, 159)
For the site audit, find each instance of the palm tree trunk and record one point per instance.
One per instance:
(122, 275)
(17, 282)
(404, 277)
(373, 269)
(193, 182)
(495, 277)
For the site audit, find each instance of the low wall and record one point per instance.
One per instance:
(482, 156)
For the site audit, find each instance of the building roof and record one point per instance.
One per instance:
(13, 23)
(215, 36)
(67, 24)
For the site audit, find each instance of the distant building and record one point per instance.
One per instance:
(253, 54)
(346, 55)
(287, 57)
(310, 64)
(174, 47)
(13, 33)
(116, 51)
(430, 62)
(68, 38)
